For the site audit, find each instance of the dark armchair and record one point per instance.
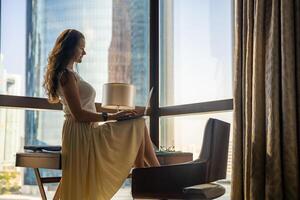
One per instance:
(172, 181)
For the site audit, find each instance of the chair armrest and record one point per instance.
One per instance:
(204, 191)
(168, 179)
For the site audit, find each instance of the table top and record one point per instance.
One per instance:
(52, 160)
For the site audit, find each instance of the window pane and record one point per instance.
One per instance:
(14, 124)
(185, 133)
(117, 41)
(195, 51)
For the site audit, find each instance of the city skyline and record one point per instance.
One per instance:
(216, 56)
(183, 11)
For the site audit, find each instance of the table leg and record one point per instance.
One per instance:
(40, 184)
(56, 196)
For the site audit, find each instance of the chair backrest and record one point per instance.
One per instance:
(215, 149)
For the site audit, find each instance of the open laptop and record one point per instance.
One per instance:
(140, 115)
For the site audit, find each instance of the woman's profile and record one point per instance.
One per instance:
(96, 159)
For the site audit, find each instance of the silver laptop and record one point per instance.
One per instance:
(140, 115)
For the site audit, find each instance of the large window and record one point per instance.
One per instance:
(183, 47)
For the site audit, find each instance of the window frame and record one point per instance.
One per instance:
(35, 103)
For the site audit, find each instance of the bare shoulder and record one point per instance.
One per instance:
(66, 77)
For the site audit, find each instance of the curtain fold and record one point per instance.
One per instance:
(266, 130)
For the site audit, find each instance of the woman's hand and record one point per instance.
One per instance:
(121, 114)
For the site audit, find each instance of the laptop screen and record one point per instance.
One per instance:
(148, 101)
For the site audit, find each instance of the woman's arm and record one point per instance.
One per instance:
(138, 109)
(101, 109)
(71, 94)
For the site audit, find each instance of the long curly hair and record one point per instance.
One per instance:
(60, 56)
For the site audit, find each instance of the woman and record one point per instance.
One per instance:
(96, 159)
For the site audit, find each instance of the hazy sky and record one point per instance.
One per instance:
(13, 35)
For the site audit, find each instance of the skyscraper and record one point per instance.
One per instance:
(140, 37)
(11, 121)
(128, 60)
(119, 53)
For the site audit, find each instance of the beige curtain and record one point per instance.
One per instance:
(266, 128)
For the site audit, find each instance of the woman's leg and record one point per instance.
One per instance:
(146, 156)
(150, 156)
(139, 161)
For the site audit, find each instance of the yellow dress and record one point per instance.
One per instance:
(96, 159)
